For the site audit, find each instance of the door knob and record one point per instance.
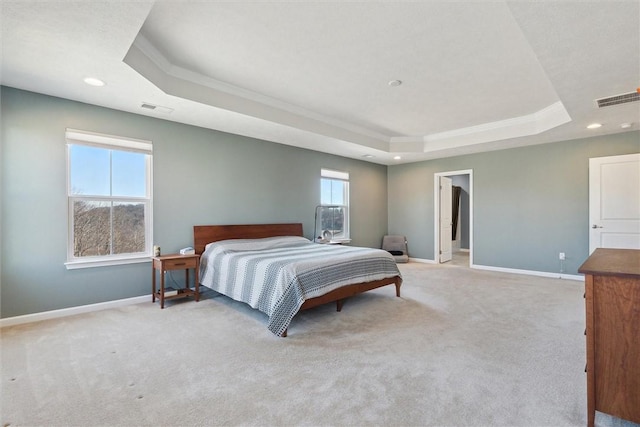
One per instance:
(596, 226)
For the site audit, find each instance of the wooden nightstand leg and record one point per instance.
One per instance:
(161, 288)
(197, 282)
(153, 282)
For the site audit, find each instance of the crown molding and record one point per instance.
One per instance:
(148, 61)
(531, 124)
(178, 81)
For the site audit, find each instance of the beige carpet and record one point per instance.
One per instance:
(460, 348)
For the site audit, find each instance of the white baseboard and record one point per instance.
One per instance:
(54, 314)
(511, 270)
(530, 272)
(422, 260)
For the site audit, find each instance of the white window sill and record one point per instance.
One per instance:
(102, 262)
(340, 241)
(333, 241)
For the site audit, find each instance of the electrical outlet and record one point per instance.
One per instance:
(561, 256)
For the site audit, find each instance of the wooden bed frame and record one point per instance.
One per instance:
(204, 234)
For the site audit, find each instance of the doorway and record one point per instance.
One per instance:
(453, 247)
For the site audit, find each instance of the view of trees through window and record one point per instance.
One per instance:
(334, 200)
(332, 219)
(109, 190)
(105, 228)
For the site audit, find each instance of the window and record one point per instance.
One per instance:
(334, 200)
(110, 204)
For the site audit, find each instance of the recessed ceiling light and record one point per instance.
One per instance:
(397, 158)
(625, 125)
(594, 126)
(93, 81)
(395, 83)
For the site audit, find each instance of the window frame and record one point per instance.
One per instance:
(114, 143)
(341, 177)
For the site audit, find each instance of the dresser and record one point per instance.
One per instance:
(612, 297)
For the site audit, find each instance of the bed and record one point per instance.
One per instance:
(274, 269)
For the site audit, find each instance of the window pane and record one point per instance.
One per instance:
(128, 228)
(332, 192)
(325, 191)
(89, 174)
(337, 192)
(338, 222)
(91, 228)
(333, 220)
(129, 174)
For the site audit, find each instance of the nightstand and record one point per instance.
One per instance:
(174, 262)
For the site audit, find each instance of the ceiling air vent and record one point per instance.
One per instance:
(618, 99)
(156, 108)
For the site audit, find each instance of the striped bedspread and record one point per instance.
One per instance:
(277, 274)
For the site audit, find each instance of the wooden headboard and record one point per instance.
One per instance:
(203, 234)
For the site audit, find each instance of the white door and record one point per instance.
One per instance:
(446, 222)
(614, 202)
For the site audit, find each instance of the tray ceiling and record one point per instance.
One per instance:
(475, 76)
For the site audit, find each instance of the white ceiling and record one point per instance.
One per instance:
(476, 75)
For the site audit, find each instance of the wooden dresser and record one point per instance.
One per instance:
(612, 295)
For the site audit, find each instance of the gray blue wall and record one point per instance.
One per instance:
(201, 176)
(529, 203)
